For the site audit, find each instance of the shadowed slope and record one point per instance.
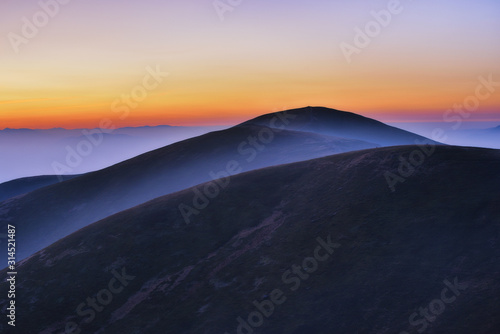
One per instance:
(391, 255)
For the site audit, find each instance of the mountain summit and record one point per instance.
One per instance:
(344, 124)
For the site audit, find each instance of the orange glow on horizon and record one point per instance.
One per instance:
(257, 62)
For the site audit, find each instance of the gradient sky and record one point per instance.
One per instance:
(264, 56)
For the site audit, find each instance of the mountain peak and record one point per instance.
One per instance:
(337, 123)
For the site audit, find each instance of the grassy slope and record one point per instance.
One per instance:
(396, 249)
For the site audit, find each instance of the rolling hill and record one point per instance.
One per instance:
(50, 213)
(321, 246)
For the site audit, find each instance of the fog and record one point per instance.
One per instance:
(85, 199)
(25, 152)
(475, 134)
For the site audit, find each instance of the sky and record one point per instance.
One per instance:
(92, 60)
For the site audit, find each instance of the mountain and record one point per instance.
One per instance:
(50, 213)
(321, 246)
(26, 152)
(28, 184)
(344, 124)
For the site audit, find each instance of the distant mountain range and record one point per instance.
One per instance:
(319, 246)
(85, 199)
